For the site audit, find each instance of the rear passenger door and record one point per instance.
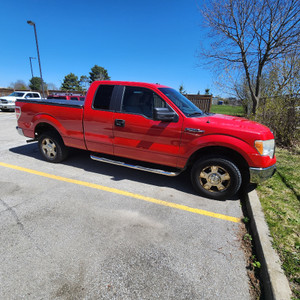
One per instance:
(138, 136)
(36, 96)
(98, 120)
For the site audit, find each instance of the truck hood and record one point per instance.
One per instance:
(9, 98)
(237, 123)
(234, 126)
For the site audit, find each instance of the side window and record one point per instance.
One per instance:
(159, 103)
(141, 101)
(36, 96)
(103, 96)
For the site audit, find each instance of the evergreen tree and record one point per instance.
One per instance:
(98, 73)
(71, 83)
(35, 84)
(84, 81)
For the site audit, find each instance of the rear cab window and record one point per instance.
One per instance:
(102, 99)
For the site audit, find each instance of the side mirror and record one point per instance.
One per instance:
(164, 114)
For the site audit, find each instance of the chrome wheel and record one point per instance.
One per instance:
(52, 147)
(214, 178)
(49, 148)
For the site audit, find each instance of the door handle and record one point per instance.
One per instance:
(120, 123)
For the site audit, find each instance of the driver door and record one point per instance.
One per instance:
(138, 136)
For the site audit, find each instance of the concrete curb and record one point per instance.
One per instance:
(275, 283)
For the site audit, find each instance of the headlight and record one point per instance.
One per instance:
(265, 148)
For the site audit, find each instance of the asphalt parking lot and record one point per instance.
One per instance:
(87, 230)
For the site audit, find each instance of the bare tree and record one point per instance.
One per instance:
(19, 85)
(285, 75)
(51, 86)
(249, 34)
(182, 89)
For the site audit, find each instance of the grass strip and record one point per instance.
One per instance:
(280, 199)
(228, 110)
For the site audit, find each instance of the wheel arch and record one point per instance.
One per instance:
(44, 127)
(221, 151)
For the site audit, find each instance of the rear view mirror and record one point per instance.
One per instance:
(164, 114)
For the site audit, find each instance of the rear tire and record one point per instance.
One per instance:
(216, 177)
(52, 147)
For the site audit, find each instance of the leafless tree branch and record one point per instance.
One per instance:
(253, 34)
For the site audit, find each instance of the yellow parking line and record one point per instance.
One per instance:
(124, 193)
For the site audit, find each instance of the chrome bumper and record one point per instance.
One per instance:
(258, 175)
(20, 131)
(7, 105)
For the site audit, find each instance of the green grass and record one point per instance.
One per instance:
(280, 199)
(227, 110)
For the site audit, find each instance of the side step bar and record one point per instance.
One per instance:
(136, 167)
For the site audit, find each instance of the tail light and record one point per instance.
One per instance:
(18, 112)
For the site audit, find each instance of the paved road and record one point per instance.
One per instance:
(88, 230)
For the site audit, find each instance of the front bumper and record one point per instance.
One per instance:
(9, 106)
(258, 175)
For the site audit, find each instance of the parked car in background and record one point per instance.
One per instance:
(7, 103)
(66, 97)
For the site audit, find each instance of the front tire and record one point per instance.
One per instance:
(52, 147)
(216, 177)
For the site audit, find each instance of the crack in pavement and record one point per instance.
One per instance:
(21, 225)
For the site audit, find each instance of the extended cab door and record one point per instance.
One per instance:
(138, 136)
(98, 118)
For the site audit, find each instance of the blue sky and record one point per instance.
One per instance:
(149, 41)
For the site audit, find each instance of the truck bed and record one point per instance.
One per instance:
(66, 116)
(56, 102)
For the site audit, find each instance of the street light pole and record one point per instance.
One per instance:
(30, 58)
(38, 53)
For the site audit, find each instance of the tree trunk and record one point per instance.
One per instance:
(255, 101)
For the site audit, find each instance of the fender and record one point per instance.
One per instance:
(29, 128)
(249, 153)
(48, 119)
(72, 136)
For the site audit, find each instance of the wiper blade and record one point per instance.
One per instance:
(194, 114)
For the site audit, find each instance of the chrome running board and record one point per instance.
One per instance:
(136, 167)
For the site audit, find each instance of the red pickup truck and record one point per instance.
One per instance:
(153, 128)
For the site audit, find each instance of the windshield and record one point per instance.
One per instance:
(16, 94)
(186, 106)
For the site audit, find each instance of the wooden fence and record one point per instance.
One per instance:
(201, 101)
